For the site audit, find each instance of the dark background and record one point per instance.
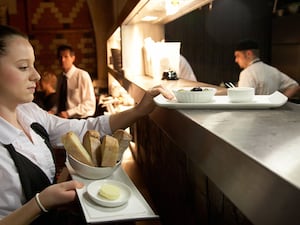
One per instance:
(208, 36)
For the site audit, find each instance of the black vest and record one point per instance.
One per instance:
(33, 179)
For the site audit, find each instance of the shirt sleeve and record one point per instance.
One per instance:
(246, 79)
(57, 126)
(11, 195)
(286, 81)
(185, 70)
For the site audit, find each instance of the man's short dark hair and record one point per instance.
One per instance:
(64, 48)
(247, 45)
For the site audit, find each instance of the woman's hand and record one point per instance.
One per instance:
(147, 104)
(156, 90)
(50, 197)
(59, 194)
(126, 118)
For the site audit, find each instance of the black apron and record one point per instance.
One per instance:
(33, 179)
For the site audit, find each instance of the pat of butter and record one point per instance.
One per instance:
(109, 191)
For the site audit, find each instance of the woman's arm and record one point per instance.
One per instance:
(50, 197)
(24, 215)
(124, 119)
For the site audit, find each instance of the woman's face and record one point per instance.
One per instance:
(18, 76)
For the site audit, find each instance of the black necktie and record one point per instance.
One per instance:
(62, 98)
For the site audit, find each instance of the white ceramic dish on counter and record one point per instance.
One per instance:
(186, 95)
(274, 100)
(240, 94)
(94, 187)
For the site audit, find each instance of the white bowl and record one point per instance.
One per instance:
(186, 95)
(241, 94)
(91, 172)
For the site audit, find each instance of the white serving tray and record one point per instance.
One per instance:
(135, 209)
(222, 102)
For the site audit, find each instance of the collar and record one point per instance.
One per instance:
(9, 133)
(70, 72)
(254, 61)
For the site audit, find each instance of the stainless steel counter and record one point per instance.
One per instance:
(253, 156)
(269, 137)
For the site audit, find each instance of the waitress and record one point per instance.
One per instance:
(28, 193)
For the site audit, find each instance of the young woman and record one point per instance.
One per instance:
(45, 94)
(28, 193)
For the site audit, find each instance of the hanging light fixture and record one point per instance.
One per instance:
(172, 6)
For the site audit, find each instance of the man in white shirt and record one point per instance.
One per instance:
(264, 78)
(80, 101)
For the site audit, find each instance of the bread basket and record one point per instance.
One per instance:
(91, 172)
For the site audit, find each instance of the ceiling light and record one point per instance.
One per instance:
(149, 18)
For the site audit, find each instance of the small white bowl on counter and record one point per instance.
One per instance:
(194, 94)
(240, 94)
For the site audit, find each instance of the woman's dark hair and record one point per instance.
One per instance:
(5, 33)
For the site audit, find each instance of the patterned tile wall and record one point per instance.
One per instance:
(51, 23)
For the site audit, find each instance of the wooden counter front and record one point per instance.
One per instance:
(219, 166)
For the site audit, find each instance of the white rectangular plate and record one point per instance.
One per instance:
(222, 102)
(135, 209)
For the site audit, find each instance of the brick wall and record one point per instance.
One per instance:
(51, 23)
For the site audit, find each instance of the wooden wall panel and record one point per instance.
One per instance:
(181, 192)
(286, 45)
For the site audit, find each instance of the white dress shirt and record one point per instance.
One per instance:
(81, 100)
(185, 70)
(11, 194)
(265, 79)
